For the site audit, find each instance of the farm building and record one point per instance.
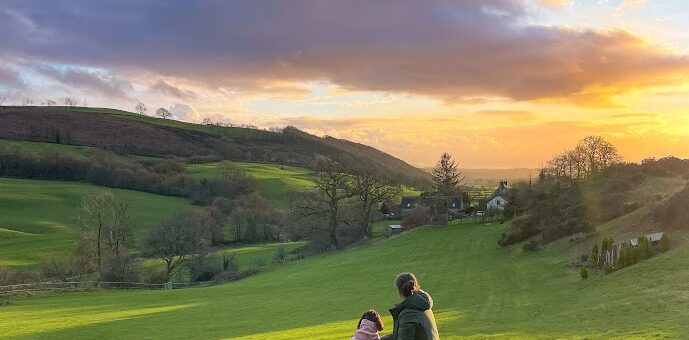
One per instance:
(455, 203)
(500, 198)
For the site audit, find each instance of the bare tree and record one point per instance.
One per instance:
(2, 100)
(333, 189)
(141, 108)
(103, 221)
(591, 155)
(117, 231)
(28, 101)
(173, 240)
(371, 192)
(50, 102)
(70, 102)
(163, 113)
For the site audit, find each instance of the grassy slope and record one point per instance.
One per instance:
(480, 291)
(37, 217)
(277, 181)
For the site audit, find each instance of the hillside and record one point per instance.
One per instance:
(37, 218)
(128, 133)
(480, 291)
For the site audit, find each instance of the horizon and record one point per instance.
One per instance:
(498, 84)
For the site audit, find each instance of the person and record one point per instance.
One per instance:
(413, 317)
(369, 326)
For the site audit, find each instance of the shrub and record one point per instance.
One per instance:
(664, 243)
(281, 255)
(229, 263)
(417, 217)
(531, 245)
(260, 262)
(594, 254)
(118, 268)
(584, 273)
(584, 258)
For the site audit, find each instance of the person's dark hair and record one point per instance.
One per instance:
(373, 316)
(407, 284)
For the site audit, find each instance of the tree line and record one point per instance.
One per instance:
(583, 187)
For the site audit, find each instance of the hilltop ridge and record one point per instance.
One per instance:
(129, 133)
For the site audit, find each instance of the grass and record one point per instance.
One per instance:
(79, 152)
(480, 291)
(37, 218)
(278, 182)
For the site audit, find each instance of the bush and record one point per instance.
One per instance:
(118, 268)
(584, 273)
(281, 255)
(229, 263)
(664, 243)
(261, 262)
(417, 217)
(531, 246)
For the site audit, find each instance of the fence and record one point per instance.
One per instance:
(90, 285)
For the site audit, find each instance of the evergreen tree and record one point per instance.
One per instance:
(447, 179)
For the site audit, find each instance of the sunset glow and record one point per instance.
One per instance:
(497, 83)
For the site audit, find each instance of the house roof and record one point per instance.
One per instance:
(410, 201)
(502, 191)
(655, 237)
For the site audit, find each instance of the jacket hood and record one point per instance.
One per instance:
(367, 331)
(419, 301)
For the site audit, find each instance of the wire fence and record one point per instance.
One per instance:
(26, 288)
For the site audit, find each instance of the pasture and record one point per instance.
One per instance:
(480, 291)
(37, 218)
(277, 182)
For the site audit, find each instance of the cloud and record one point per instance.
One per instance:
(87, 80)
(515, 115)
(11, 79)
(163, 87)
(451, 50)
(185, 112)
(629, 4)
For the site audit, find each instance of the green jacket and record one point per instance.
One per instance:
(413, 318)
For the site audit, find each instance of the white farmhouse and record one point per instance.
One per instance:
(500, 198)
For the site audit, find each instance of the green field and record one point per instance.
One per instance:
(480, 291)
(37, 218)
(277, 182)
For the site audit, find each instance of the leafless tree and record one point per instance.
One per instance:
(371, 192)
(163, 113)
(28, 101)
(141, 108)
(103, 221)
(50, 102)
(173, 240)
(70, 102)
(2, 100)
(332, 191)
(591, 155)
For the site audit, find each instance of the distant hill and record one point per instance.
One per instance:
(128, 133)
(491, 177)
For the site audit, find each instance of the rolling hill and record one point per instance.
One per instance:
(480, 291)
(37, 218)
(128, 133)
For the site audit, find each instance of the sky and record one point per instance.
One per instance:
(497, 83)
